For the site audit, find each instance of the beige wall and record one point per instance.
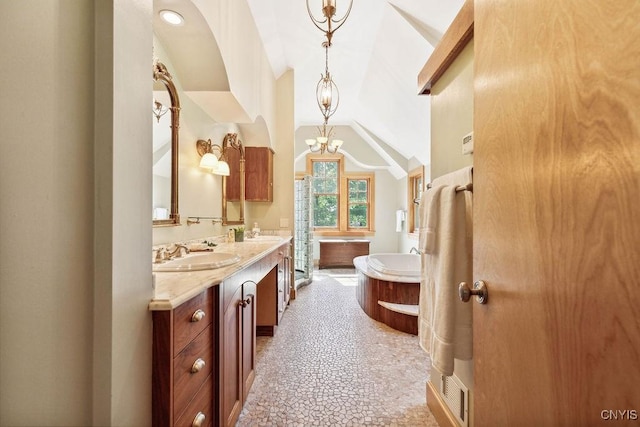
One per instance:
(74, 325)
(254, 87)
(268, 215)
(451, 120)
(452, 115)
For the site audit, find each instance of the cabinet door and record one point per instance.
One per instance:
(281, 289)
(232, 397)
(287, 275)
(248, 336)
(232, 182)
(258, 174)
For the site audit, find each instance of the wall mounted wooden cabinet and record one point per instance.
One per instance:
(258, 174)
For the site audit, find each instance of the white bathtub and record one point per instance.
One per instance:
(390, 266)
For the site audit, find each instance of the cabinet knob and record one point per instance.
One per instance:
(197, 366)
(198, 420)
(246, 302)
(197, 315)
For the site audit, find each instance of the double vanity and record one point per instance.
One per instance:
(208, 308)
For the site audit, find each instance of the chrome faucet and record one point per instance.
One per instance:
(177, 251)
(415, 250)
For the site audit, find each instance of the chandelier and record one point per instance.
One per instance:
(327, 94)
(328, 12)
(324, 142)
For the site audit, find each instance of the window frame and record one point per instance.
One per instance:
(340, 173)
(370, 178)
(412, 208)
(343, 228)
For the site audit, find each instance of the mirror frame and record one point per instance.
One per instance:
(160, 73)
(231, 141)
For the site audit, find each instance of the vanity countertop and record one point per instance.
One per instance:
(174, 288)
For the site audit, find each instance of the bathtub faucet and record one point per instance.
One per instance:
(415, 250)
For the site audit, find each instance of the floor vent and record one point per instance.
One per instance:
(456, 396)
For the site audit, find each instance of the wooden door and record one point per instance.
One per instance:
(232, 397)
(557, 212)
(249, 289)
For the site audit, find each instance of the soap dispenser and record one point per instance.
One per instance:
(255, 230)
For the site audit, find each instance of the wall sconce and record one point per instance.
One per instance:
(216, 164)
(159, 110)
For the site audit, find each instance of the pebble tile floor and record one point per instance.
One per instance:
(330, 364)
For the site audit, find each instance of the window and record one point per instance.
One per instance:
(415, 188)
(326, 193)
(343, 202)
(358, 203)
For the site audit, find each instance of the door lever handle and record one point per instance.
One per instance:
(479, 290)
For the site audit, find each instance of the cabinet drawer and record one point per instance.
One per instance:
(186, 325)
(186, 382)
(201, 403)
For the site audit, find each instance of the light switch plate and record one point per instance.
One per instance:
(467, 143)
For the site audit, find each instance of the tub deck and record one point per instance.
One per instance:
(392, 302)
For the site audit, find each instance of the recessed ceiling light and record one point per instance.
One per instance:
(171, 17)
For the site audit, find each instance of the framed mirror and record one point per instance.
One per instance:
(166, 111)
(233, 196)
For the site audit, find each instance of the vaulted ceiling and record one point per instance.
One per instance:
(375, 59)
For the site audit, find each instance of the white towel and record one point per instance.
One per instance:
(444, 322)
(428, 211)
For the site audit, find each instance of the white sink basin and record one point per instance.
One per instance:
(208, 261)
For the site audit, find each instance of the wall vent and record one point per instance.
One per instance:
(456, 396)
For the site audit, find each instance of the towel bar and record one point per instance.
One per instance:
(468, 187)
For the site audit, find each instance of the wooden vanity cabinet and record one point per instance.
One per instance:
(238, 322)
(273, 293)
(183, 363)
(204, 350)
(284, 280)
(340, 253)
